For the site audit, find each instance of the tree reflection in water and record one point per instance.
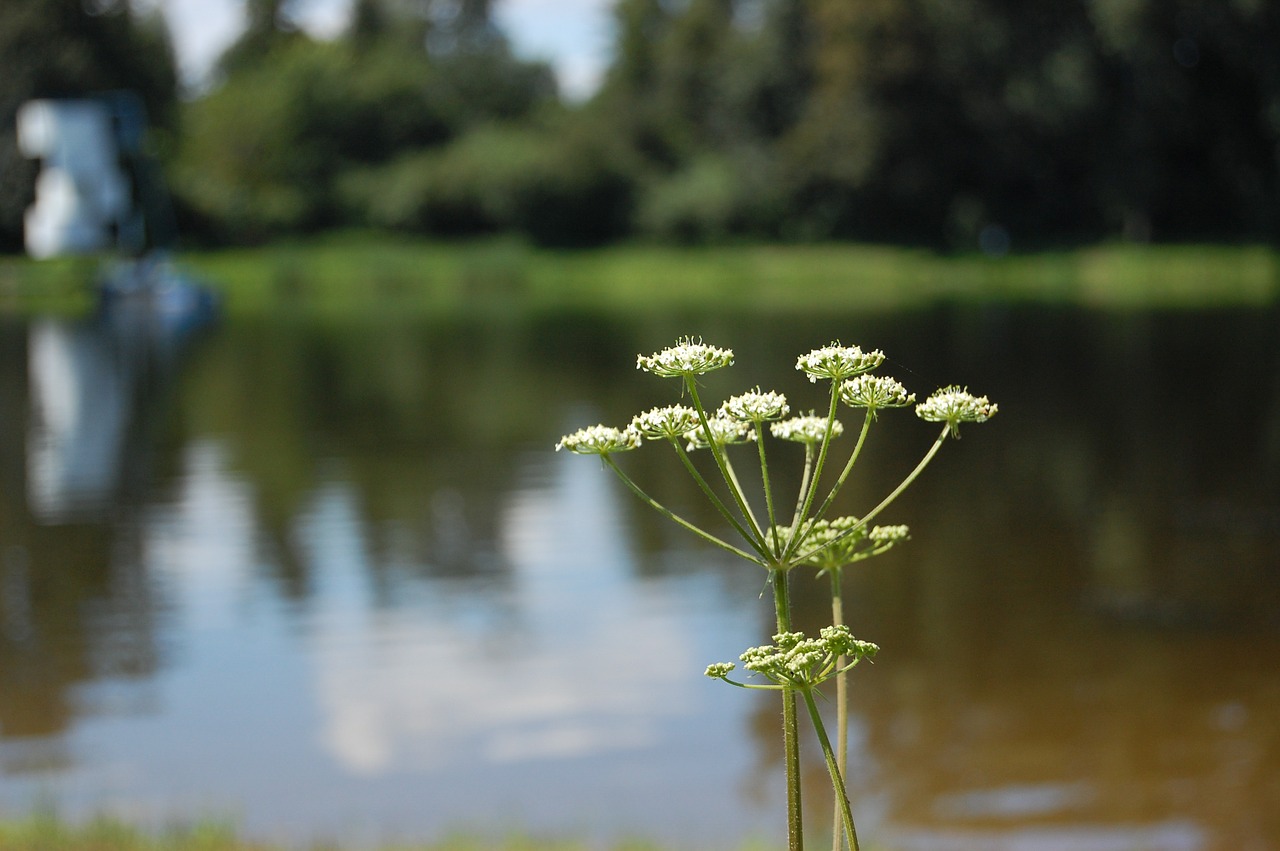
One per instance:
(1080, 645)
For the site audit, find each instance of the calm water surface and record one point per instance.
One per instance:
(329, 579)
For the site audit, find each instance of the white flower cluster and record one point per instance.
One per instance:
(837, 362)
(687, 358)
(600, 440)
(954, 405)
(724, 432)
(669, 423)
(755, 406)
(805, 429)
(874, 392)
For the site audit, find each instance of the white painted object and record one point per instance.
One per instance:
(83, 197)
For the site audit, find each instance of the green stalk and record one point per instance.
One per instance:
(715, 500)
(807, 490)
(717, 452)
(804, 488)
(884, 503)
(837, 779)
(848, 467)
(842, 704)
(768, 491)
(790, 721)
(671, 515)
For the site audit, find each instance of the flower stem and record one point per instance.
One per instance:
(790, 721)
(671, 515)
(884, 503)
(842, 705)
(715, 500)
(848, 467)
(717, 452)
(837, 779)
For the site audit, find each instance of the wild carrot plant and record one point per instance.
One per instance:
(782, 537)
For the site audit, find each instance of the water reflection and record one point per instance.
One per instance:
(355, 594)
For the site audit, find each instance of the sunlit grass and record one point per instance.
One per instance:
(370, 273)
(45, 831)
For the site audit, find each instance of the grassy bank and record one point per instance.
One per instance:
(46, 832)
(360, 272)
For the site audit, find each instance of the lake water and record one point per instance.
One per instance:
(327, 578)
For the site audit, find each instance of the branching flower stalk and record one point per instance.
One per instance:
(794, 665)
(842, 550)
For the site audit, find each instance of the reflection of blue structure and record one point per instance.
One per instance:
(151, 295)
(90, 380)
(90, 384)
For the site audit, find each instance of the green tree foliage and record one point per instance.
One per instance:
(918, 121)
(69, 48)
(292, 140)
(933, 120)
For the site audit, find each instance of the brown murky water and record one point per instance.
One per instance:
(329, 579)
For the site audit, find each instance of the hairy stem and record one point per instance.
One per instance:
(837, 779)
(790, 721)
(842, 705)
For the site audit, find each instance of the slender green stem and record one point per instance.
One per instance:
(911, 477)
(715, 500)
(804, 489)
(884, 503)
(790, 721)
(848, 467)
(842, 703)
(717, 452)
(768, 491)
(671, 515)
(733, 478)
(810, 486)
(837, 779)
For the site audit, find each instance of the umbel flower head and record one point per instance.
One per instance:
(600, 440)
(954, 405)
(807, 428)
(797, 661)
(724, 432)
(837, 362)
(688, 357)
(841, 541)
(755, 406)
(874, 392)
(669, 423)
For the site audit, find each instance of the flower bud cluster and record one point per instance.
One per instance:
(801, 662)
(835, 543)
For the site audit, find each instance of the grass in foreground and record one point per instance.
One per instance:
(48, 832)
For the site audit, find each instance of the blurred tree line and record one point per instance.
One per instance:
(939, 122)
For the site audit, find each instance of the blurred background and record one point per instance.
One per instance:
(694, 120)
(282, 535)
